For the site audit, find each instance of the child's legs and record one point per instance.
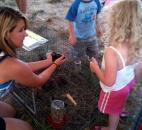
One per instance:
(113, 122)
(79, 50)
(92, 49)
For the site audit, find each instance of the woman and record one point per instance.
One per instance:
(12, 34)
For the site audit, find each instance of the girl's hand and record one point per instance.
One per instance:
(60, 60)
(93, 64)
(72, 40)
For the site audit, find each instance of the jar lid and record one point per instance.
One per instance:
(57, 104)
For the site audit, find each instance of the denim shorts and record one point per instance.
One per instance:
(89, 47)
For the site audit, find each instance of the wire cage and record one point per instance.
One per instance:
(26, 97)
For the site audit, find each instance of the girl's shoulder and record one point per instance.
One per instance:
(109, 53)
(109, 49)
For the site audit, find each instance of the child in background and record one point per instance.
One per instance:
(22, 5)
(12, 33)
(117, 75)
(82, 20)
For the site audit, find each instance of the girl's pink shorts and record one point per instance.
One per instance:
(113, 102)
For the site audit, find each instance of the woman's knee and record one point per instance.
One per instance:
(16, 124)
(6, 110)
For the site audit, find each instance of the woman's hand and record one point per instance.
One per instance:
(93, 64)
(60, 60)
(49, 58)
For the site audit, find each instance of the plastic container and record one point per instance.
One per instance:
(57, 110)
(57, 118)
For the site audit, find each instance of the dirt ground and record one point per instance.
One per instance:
(46, 17)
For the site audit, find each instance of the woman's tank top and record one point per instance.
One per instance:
(5, 87)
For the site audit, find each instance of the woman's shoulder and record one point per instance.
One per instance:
(12, 68)
(10, 61)
(11, 65)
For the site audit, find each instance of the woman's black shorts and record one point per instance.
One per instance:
(2, 124)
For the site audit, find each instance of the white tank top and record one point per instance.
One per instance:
(123, 76)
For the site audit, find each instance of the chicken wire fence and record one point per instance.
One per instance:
(26, 97)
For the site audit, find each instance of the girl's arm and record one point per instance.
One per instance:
(22, 73)
(41, 64)
(108, 75)
(72, 37)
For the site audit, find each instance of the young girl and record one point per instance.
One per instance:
(117, 75)
(12, 34)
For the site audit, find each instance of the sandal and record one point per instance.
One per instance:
(97, 128)
(140, 127)
(124, 114)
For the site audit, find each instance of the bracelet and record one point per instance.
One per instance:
(55, 64)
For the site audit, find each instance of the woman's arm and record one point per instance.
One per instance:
(22, 73)
(41, 64)
(108, 75)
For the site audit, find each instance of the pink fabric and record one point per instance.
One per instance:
(112, 103)
(107, 2)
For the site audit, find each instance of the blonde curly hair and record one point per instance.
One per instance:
(123, 24)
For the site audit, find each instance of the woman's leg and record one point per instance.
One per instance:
(22, 5)
(16, 124)
(6, 110)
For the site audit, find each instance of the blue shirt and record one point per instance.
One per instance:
(82, 15)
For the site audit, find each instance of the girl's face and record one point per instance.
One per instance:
(18, 34)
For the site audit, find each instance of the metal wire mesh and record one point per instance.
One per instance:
(25, 96)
